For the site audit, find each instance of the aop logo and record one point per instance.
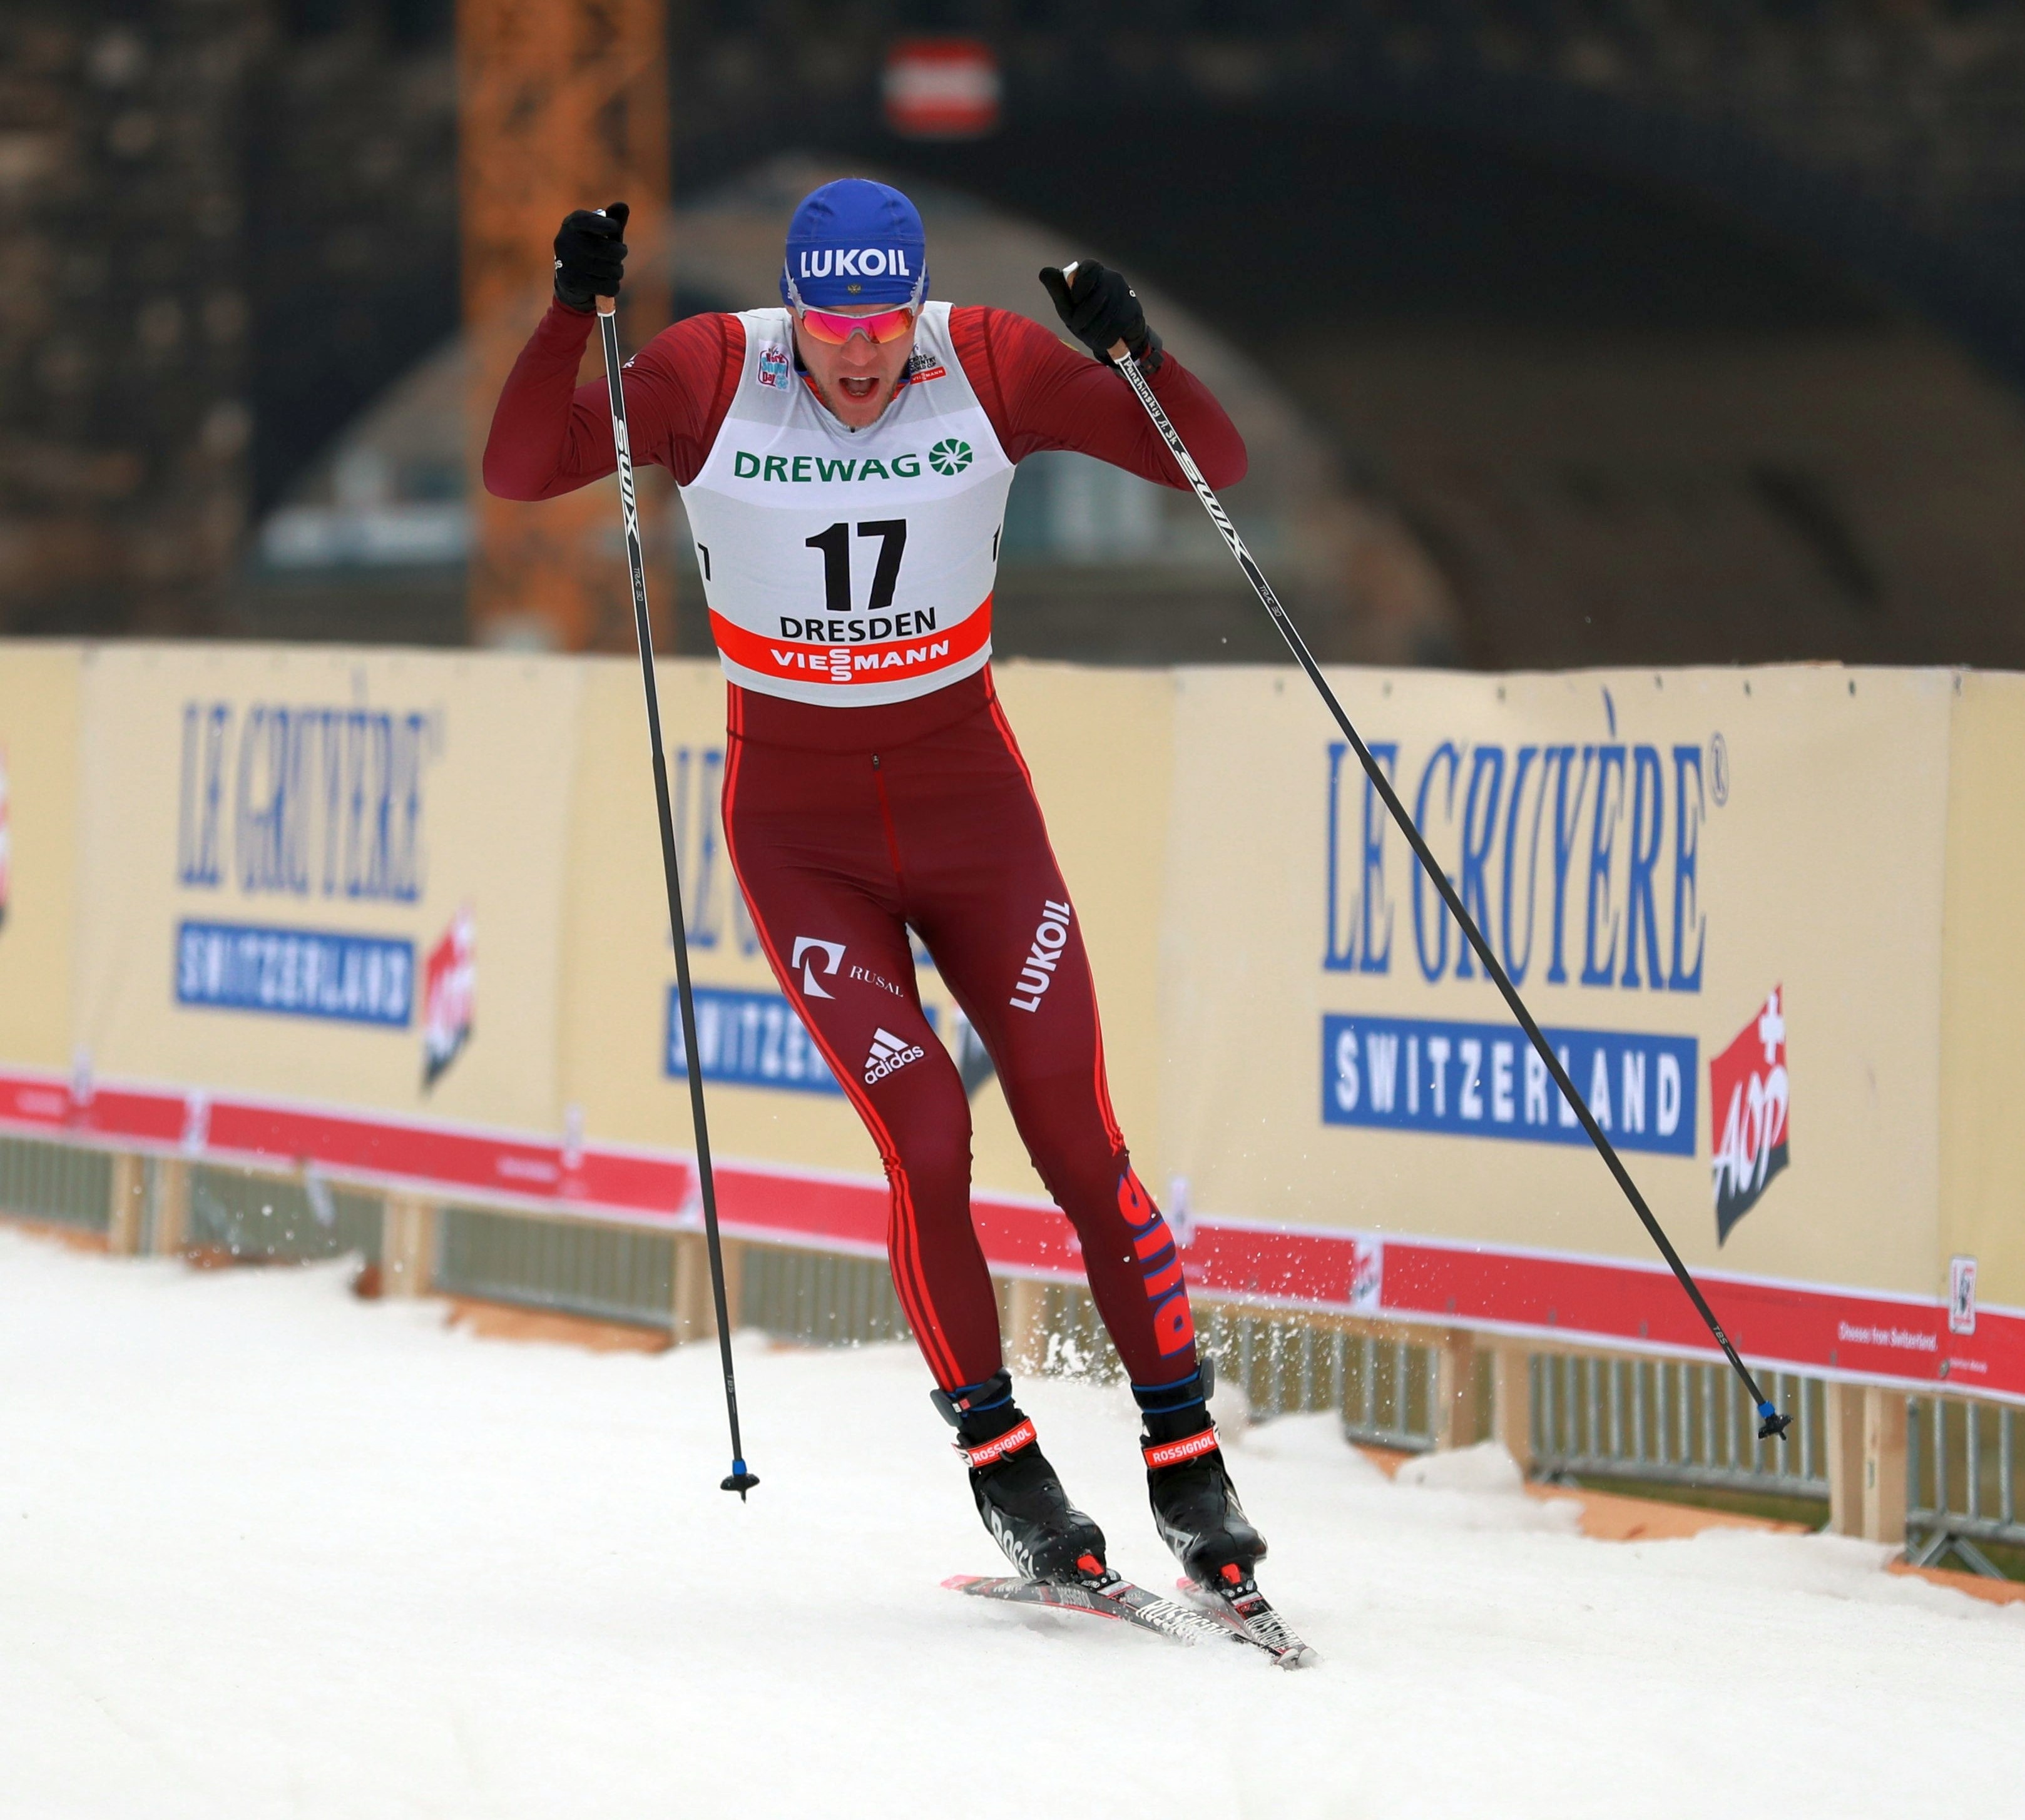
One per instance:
(448, 993)
(1749, 1096)
(832, 955)
(1049, 941)
(949, 457)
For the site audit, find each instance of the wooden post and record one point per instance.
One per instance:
(696, 1308)
(1511, 1403)
(172, 1206)
(126, 1204)
(559, 106)
(690, 1317)
(1455, 1391)
(1883, 1465)
(407, 1245)
(1027, 1325)
(1844, 1406)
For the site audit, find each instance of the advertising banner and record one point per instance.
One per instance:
(1710, 887)
(277, 847)
(402, 916)
(39, 796)
(1725, 895)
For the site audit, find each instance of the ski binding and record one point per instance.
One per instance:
(1111, 1596)
(1245, 1611)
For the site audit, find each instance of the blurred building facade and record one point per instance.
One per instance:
(1642, 332)
(125, 312)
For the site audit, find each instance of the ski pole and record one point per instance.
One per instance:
(1771, 1423)
(740, 1481)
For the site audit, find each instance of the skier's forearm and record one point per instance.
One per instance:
(1040, 394)
(1203, 423)
(549, 435)
(1092, 410)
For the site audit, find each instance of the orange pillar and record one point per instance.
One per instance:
(561, 104)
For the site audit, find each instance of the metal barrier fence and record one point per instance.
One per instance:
(270, 1219)
(613, 1273)
(1670, 1421)
(55, 1182)
(820, 1298)
(1383, 1390)
(1962, 1466)
(1657, 1420)
(813, 1298)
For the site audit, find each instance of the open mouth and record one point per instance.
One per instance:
(857, 390)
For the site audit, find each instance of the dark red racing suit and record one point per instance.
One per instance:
(864, 822)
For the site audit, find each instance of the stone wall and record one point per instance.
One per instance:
(124, 418)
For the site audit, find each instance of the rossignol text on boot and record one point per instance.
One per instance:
(1018, 1496)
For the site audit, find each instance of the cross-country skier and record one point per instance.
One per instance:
(845, 461)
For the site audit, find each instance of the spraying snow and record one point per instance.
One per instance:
(267, 1550)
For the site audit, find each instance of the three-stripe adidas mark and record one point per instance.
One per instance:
(889, 1053)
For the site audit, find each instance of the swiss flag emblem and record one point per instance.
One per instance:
(1748, 1097)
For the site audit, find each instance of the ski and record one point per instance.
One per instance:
(1247, 1612)
(1111, 1597)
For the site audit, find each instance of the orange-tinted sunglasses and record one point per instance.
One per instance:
(887, 325)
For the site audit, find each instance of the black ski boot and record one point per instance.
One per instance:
(1018, 1495)
(1194, 1502)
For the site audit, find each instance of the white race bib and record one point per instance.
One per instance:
(853, 567)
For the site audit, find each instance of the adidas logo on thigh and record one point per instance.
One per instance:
(889, 1053)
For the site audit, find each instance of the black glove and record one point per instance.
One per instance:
(590, 255)
(1102, 310)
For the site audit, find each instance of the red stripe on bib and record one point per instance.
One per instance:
(845, 664)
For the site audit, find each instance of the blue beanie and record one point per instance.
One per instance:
(855, 241)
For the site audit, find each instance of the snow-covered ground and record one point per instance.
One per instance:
(266, 1550)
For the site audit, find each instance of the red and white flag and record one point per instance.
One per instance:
(942, 88)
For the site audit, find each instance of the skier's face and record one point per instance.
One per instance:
(857, 379)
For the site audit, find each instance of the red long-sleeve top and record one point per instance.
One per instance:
(550, 435)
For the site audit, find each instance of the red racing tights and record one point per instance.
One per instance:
(847, 826)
